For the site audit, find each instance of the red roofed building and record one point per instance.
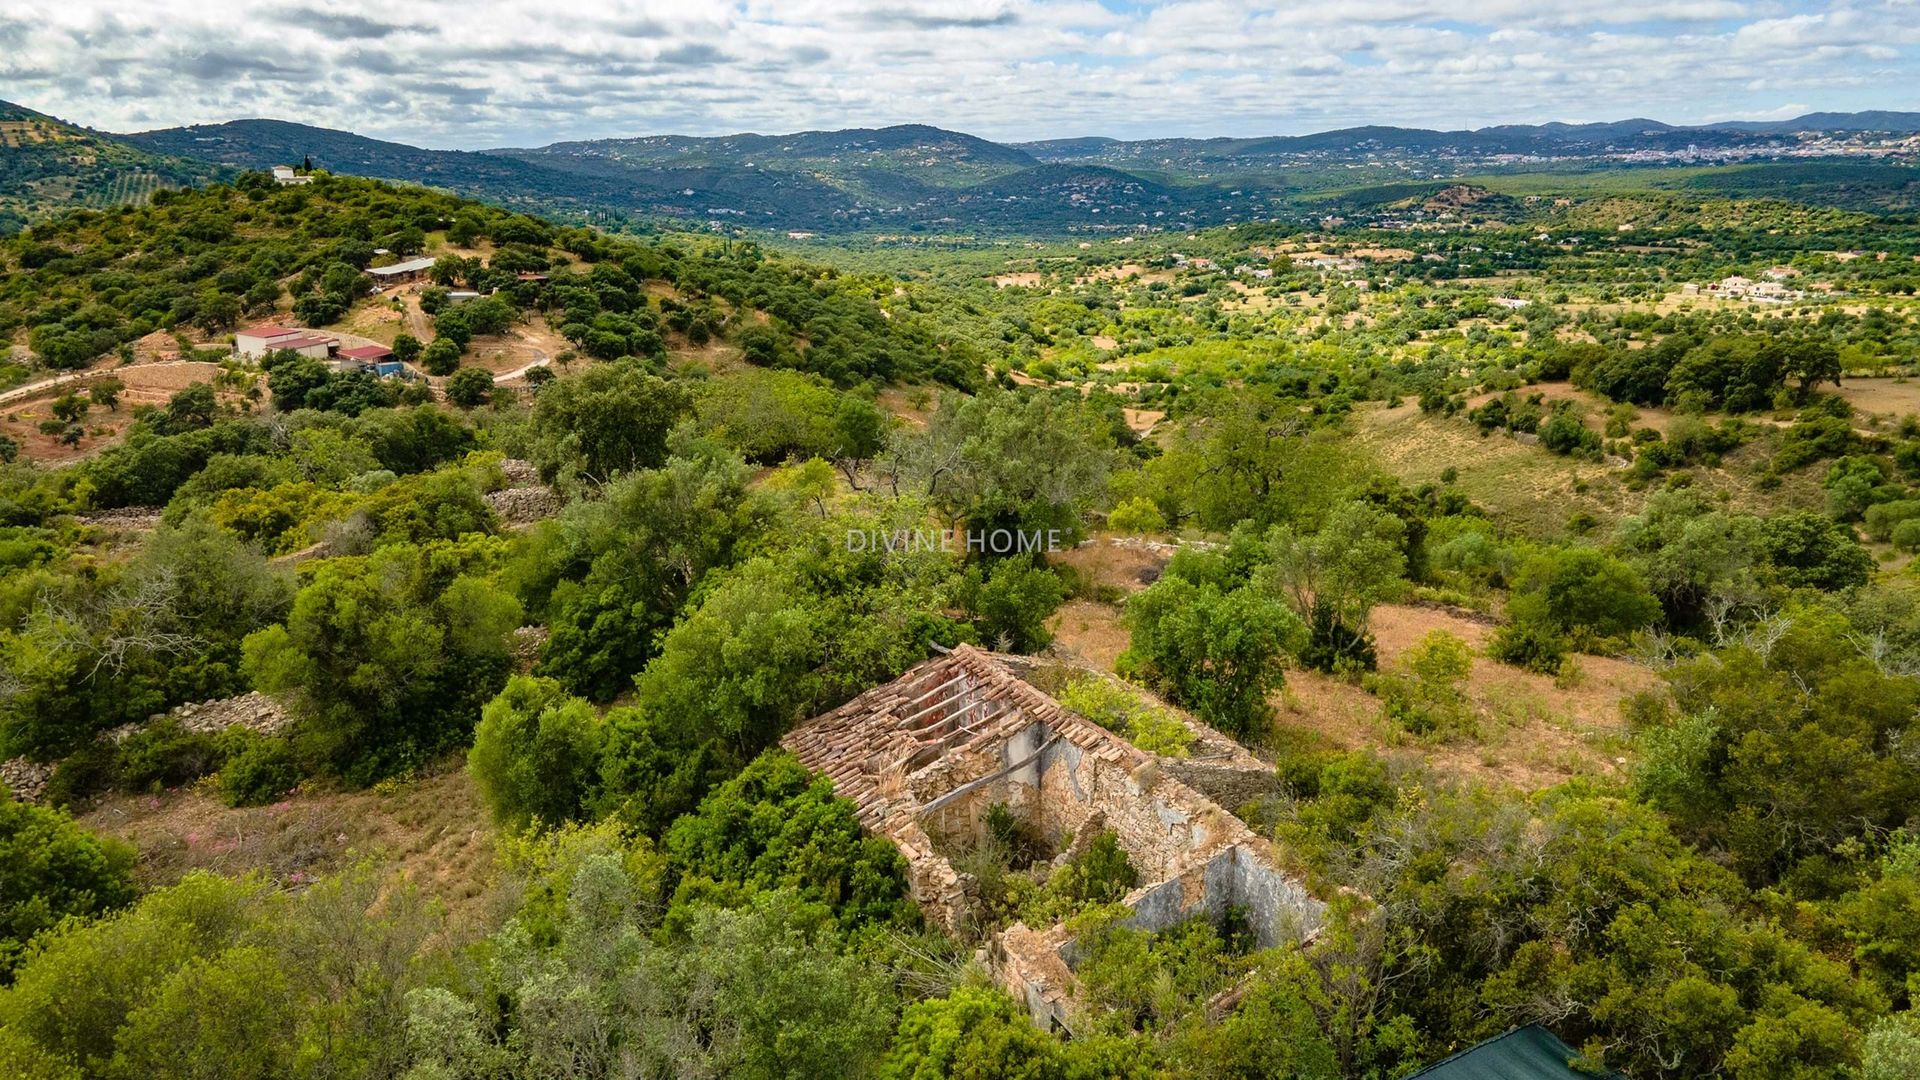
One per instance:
(361, 357)
(257, 341)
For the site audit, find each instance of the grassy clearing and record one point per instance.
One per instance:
(431, 830)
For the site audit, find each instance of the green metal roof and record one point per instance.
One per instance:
(1525, 1053)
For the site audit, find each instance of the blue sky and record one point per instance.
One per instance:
(474, 73)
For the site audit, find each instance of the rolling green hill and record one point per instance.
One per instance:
(48, 165)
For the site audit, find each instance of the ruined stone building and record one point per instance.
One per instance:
(924, 756)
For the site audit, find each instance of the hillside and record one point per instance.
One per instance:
(261, 144)
(869, 162)
(47, 165)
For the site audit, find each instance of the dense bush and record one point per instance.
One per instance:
(1218, 653)
(536, 754)
(385, 659)
(258, 770)
(51, 868)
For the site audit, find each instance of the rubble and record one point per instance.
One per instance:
(26, 779)
(125, 519)
(520, 473)
(526, 645)
(254, 711)
(523, 506)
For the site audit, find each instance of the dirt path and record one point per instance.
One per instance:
(35, 389)
(135, 376)
(541, 359)
(417, 323)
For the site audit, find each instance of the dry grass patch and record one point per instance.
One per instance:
(432, 831)
(1882, 396)
(1121, 563)
(1531, 731)
(1089, 632)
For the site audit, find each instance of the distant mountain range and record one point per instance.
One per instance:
(915, 177)
(1539, 140)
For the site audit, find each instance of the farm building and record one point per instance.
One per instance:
(407, 270)
(285, 176)
(257, 341)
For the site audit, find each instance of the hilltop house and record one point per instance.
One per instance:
(360, 358)
(285, 176)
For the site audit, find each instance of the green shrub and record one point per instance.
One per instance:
(1217, 653)
(1101, 874)
(259, 770)
(1137, 515)
(1334, 647)
(1427, 701)
(1012, 603)
(51, 868)
(1883, 518)
(1117, 709)
(1564, 433)
(1531, 645)
(163, 755)
(1906, 535)
(84, 773)
(536, 754)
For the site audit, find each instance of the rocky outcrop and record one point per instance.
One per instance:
(520, 473)
(124, 519)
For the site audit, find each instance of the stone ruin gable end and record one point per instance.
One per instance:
(927, 754)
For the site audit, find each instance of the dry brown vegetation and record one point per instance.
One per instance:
(1531, 731)
(432, 831)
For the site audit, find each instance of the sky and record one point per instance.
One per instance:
(472, 74)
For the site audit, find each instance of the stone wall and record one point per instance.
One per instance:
(27, 780)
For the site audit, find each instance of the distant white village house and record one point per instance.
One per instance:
(1736, 286)
(285, 175)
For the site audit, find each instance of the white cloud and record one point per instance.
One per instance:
(478, 73)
